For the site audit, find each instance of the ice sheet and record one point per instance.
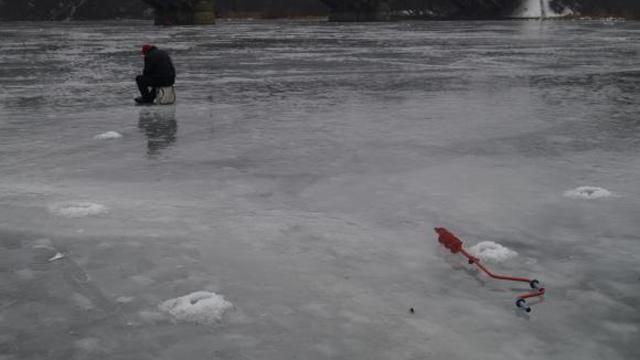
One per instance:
(301, 174)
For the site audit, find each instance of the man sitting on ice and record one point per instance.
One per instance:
(158, 72)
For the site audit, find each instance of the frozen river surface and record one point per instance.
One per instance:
(300, 176)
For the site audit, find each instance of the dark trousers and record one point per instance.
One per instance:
(146, 82)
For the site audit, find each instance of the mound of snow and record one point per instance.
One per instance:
(78, 209)
(108, 135)
(201, 307)
(57, 256)
(124, 299)
(491, 251)
(587, 192)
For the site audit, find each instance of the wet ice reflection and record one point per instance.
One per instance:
(159, 125)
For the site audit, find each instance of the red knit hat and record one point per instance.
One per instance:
(146, 48)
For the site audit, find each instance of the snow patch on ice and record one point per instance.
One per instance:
(620, 328)
(82, 301)
(43, 244)
(142, 280)
(108, 135)
(201, 307)
(588, 192)
(57, 256)
(25, 274)
(77, 209)
(88, 344)
(491, 251)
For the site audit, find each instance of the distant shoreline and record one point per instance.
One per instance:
(325, 18)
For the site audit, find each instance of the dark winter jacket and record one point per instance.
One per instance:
(158, 65)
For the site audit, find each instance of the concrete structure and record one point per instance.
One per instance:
(358, 10)
(183, 12)
(199, 12)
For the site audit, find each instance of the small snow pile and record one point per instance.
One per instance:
(124, 299)
(108, 135)
(491, 251)
(77, 209)
(57, 256)
(587, 192)
(201, 307)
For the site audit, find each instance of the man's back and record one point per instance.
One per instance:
(158, 64)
